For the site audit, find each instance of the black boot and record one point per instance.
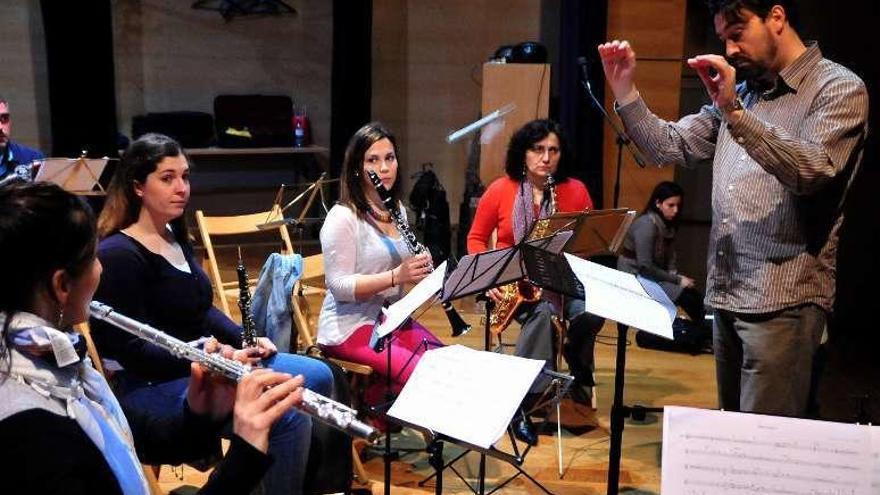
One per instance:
(582, 372)
(523, 429)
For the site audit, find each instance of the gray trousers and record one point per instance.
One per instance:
(537, 338)
(764, 362)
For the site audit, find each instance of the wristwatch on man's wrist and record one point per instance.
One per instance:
(734, 105)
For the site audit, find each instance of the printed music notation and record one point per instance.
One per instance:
(720, 453)
(621, 297)
(465, 394)
(875, 456)
(398, 312)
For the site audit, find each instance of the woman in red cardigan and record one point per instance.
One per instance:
(511, 204)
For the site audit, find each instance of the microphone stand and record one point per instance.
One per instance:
(622, 138)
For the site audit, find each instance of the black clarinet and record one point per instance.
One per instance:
(459, 326)
(248, 327)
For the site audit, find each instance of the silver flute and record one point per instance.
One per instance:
(329, 411)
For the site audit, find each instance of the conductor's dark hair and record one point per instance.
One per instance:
(732, 10)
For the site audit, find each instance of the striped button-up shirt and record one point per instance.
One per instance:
(780, 175)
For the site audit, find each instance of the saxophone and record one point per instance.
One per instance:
(248, 327)
(521, 291)
(459, 326)
(315, 405)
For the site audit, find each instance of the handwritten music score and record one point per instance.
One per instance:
(708, 452)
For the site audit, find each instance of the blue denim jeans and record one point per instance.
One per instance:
(289, 438)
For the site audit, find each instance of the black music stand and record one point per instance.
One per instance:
(539, 260)
(594, 232)
(380, 344)
(602, 232)
(619, 412)
(314, 190)
(477, 273)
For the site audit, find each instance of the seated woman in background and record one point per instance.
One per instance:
(367, 264)
(60, 425)
(649, 250)
(151, 275)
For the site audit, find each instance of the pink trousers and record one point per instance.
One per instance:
(407, 346)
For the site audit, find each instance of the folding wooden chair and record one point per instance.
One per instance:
(212, 226)
(151, 473)
(307, 290)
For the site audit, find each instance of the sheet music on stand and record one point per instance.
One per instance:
(595, 232)
(465, 394)
(398, 312)
(726, 453)
(476, 273)
(623, 297)
(76, 175)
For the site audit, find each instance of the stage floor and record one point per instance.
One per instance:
(654, 378)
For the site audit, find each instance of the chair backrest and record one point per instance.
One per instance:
(305, 315)
(235, 225)
(86, 332)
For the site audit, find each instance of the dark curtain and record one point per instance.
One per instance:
(850, 387)
(82, 94)
(582, 28)
(351, 78)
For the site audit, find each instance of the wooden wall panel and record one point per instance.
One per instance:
(527, 86)
(659, 84)
(427, 74)
(655, 28)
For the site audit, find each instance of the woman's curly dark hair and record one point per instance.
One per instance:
(526, 137)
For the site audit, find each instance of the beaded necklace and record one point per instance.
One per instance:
(379, 215)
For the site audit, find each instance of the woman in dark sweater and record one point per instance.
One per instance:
(61, 427)
(151, 275)
(649, 249)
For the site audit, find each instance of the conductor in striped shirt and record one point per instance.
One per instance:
(784, 144)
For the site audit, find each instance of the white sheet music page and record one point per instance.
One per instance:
(466, 394)
(875, 459)
(726, 453)
(620, 297)
(398, 312)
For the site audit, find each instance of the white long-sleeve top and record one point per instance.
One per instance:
(352, 246)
